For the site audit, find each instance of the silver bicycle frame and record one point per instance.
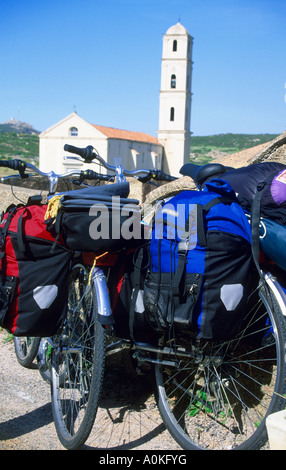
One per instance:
(277, 290)
(104, 308)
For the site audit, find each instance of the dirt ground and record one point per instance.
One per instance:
(128, 418)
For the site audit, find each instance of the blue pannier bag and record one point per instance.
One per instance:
(201, 270)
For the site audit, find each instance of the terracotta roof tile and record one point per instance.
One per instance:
(114, 133)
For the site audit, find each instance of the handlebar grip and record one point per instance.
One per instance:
(160, 175)
(16, 164)
(86, 153)
(93, 175)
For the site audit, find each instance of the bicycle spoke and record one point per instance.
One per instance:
(220, 396)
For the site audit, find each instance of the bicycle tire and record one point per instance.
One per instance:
(26, 349)
(220, 400)
(79, 351)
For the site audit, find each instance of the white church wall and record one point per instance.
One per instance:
(76, 131)
(134, 155)
(71, 130)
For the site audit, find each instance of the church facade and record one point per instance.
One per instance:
(169, 151)
(118, 147)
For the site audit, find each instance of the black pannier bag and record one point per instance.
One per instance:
(98, 218)
(125, 271)
(261, 190)
(272, 175)
(34, 274)
(201, 268)
(245, 181)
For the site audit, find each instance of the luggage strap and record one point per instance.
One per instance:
(11, 212)
(138, 262)
(255, 221)
(183, 246)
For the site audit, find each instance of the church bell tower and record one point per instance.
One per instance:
(175, 99)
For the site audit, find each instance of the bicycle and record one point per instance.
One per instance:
(73, 360)
(26, 349)
(221, 393)
(210, 395)
(44, 348)
(218, 395)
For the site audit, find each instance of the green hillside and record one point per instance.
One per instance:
(23, 146)
(203, 148)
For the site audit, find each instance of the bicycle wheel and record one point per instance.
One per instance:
(219, 394)
(79, 351)
(26, 349)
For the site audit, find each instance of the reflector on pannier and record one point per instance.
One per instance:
(33, 273)
(201, 269)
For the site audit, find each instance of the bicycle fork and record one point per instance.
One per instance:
(105, 316)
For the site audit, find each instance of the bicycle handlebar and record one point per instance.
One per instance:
(21, 167)
(157, 175)
(93, 175)
(86, 153)
(16, 164)
(89, 153)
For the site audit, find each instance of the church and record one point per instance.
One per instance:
(168, 151)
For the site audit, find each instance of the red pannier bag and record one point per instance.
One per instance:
(34, 269)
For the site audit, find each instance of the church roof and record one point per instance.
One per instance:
(114, 133)
(177, 29)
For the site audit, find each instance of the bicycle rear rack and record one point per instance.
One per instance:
(163, 356)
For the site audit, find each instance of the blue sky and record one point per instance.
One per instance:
(104, 59)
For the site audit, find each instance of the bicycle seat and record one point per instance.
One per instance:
(200, 173)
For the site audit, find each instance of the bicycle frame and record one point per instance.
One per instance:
(100, 286)
(277, 291)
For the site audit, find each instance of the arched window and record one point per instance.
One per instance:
(172, 114)
(175, 44)
(173, 81)
(73, 132)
